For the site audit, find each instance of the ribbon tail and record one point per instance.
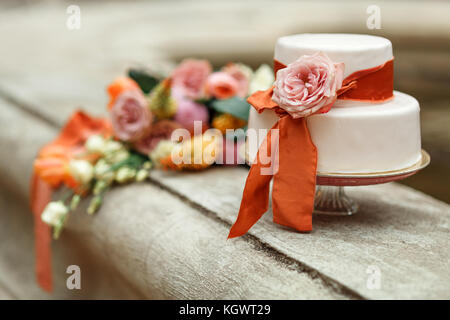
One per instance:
(295, 182)
(73, 136)
(255, 199)
(40, 196)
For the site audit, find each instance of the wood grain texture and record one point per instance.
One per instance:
(401, 231)
(17, 278)
(169, 250)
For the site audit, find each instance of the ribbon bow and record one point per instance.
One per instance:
(295, 158)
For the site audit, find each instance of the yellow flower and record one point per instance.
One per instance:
(195, 154)
(161, 102)
(227, 121)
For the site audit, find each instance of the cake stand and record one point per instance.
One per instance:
(331, 198)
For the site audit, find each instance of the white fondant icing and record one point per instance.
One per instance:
(357, 51)
(364, 138)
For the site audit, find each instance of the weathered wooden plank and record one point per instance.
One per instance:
(17, 278)
(5, 293)
(400, 231)
(170, 250)
(144, 242)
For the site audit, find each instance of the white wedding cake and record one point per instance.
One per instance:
(353, 137)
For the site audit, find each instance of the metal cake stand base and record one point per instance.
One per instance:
(333, 201)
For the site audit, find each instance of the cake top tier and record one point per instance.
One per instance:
(357, 51)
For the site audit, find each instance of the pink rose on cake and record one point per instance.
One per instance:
(189, 78)
(308, 85)
(221, 85)
(130, 117)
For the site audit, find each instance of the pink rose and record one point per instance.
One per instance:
(130, 117)
(161, 130)
(189, 111)
(221, 85)
(190, 76)
(308, 85)
(242, 74)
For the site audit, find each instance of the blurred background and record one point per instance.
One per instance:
(70, 68)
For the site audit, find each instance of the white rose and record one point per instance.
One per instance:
(115, 151)
(95, 143)
(117, 156)
(125, 174)
(141, 175)
(54, 213)
(112, 146)
(81, 170)
(102, 171)
(262, 79)
(163, 149)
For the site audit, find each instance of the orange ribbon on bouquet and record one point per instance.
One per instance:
(49, 171)
(295, 180)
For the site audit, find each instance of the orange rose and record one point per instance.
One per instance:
(221, 85)
(120, 85)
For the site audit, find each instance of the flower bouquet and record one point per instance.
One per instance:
(189, 120)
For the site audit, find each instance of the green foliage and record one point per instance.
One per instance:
(135, 161)
(235, 106)
(146, 81)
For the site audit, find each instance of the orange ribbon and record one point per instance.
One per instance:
(294, 182)
(72, 137)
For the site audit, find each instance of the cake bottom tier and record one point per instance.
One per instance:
(356, 137)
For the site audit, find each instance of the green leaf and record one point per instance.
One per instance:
(205, 101)
(146, 81)
(235, 106)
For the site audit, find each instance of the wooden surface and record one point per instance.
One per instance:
(166, 238)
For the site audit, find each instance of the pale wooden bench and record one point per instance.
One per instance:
(166, 238)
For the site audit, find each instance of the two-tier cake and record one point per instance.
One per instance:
(354, 136)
